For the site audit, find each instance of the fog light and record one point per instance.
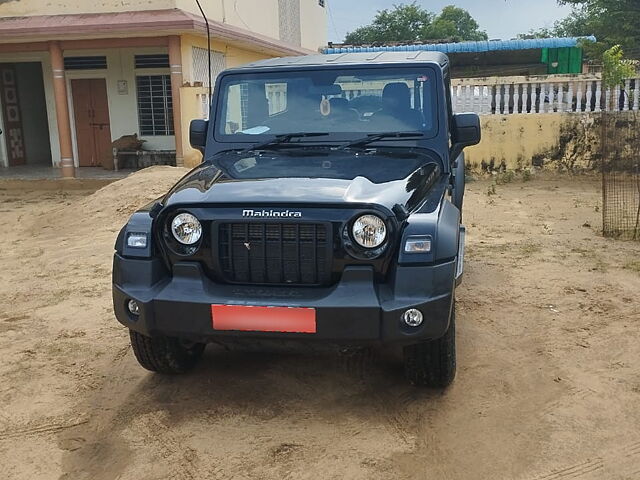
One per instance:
(413, 317)
(134, 308)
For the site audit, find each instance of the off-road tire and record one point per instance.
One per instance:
(433, 363)
(165, 354)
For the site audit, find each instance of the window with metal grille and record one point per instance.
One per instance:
(155, 105)
(157, 60)
(85, 63)
(201, 65)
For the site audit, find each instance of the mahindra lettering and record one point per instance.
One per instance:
(326, 214)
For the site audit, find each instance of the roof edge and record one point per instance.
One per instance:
(143, 23)
(469, 47)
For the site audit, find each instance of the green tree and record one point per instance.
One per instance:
(455, 24)
(613, 22)
(615, 68)
(405, 23)
(410, 23)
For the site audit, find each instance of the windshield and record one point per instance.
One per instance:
(345, 103)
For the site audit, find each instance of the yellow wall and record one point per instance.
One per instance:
(191, 97)
(259, 16)
(515, 139)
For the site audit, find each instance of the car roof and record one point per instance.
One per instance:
(366, 58)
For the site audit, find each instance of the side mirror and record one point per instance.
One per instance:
(465, 132)
(198, 134)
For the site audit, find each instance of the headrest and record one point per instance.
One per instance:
(397, 94)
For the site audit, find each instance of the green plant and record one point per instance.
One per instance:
(615, 68)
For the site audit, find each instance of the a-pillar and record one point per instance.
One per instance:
(62, 111)
(175, 60)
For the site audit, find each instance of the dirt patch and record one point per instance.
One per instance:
(548, 385)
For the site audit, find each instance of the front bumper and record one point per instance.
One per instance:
(355, 311)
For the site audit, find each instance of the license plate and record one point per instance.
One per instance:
(263, 319)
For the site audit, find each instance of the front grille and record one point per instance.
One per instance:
(275, 253)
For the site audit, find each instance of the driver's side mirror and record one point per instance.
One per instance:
(465, 132)
(466, 129)
(198, 134)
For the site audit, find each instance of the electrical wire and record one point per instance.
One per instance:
(333, 22)
(206, 22)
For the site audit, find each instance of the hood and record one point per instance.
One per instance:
(208, 185)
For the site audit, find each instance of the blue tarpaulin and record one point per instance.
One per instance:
(470, 47)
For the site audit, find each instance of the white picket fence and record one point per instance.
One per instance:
(552, 94)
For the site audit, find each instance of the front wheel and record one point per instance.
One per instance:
(165, 354)
(433, 363)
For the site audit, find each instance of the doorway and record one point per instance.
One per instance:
(24, 113)
(93, 125)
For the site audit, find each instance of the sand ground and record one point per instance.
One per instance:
(548, 385)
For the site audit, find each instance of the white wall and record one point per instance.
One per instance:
(259, 16)
(18, 8)
(123, 108)
(313, 24)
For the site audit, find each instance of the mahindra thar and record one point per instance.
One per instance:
(326, 213)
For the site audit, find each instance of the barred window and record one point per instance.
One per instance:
(201, 65)
(155, 105)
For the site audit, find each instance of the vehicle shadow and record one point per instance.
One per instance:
(290, 389)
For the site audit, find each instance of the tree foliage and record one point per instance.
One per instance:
(410, 23)
(615, 68)
(613, 22)
(455, 24)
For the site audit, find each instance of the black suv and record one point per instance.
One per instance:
(326, 212)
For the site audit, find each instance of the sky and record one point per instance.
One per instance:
(501, 19)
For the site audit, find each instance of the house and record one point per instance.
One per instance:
(526, 57)
(77, 75)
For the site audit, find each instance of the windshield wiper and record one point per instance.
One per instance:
(374, 137)
(280, 139)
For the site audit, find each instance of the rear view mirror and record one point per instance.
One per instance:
(466, 129)
(198, 134)
(465, 132)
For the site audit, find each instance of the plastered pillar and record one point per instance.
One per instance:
(62, 111)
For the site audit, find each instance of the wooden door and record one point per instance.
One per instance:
(93, 131)
(12, 115)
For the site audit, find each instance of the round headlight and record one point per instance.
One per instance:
(186, 228)
(369, 231)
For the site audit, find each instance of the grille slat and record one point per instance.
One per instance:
(275, 253)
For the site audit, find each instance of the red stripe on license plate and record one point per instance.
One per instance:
(263, 319)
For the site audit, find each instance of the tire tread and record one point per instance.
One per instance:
(164, 354)
(432, 363)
